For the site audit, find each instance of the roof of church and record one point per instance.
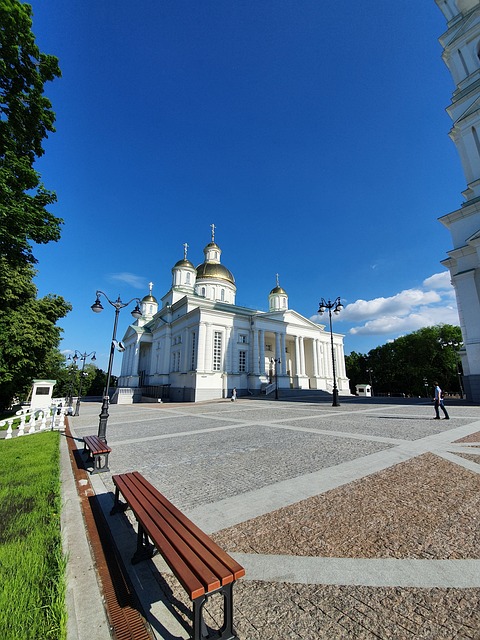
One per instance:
(214, 270)
(149, 298)
(184, 263)
(278, 289)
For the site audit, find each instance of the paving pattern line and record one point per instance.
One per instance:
(369, 572)
(233, 510)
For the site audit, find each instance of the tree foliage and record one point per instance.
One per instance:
(410, 364)
(26, 117)
(29, 336)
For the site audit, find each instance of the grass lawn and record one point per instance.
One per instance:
(32, 565)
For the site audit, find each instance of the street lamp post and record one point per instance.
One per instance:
(453, 344)
(97, 308)
(276, 362)
(337, 306)
(81, 356)
(370, 371)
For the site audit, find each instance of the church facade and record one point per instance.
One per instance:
(200, 345)
(461, 54)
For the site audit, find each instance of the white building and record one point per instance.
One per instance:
(199, 344)
(461, 54)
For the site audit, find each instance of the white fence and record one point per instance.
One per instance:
(48, 418)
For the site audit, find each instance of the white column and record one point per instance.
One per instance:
(208, 352)
(256, 354)
(283, 366)
(261, 336)
(297, 356)
(167, 343)
(185, 349)
(315, 357)
(321, 359)
(228, 348)
(136, 357)
(201, 340)
(302, 356)
(278, 350)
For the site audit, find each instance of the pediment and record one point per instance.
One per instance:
(294, 318)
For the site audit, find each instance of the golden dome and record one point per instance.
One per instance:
(214, 270)
(149, 298)
(278, 290)
(183, 263)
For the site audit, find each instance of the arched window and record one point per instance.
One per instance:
(222, 295)
(187, 278)
(204, 291)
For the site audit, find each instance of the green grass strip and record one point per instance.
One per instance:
(32, 565)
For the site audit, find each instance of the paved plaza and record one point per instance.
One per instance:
(358, 521)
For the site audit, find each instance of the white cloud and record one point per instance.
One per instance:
(137, 282)
(399, 304)
(432, 303)
(439, 281)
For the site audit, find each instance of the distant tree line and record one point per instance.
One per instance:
(410, 364)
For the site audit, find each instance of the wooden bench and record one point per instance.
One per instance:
(98, 452)
(200, 565)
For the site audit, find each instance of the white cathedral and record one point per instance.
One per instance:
(198, 344)
(461, 54)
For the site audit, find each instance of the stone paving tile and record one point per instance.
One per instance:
(426, 508)
(473, 437)
(264, 611)
(474, 457)
(375, 425)
(150, 428)
(198, 470)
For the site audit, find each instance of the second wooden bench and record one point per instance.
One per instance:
(200, 565)
(97, 451)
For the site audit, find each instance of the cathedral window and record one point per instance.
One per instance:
(242, 338)
(203, 291)
(187, 278)
(217, 351)
(222, 295)
(242, 361)
(194, 346)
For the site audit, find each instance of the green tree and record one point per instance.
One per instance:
(29, 336)
(26, 117)
(429, 354)
(356, 366)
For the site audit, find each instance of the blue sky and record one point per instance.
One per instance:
(313, 134)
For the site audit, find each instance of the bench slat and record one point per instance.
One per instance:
(96, 445)
(191, 582)
(199, 563)
(196, 554)
(232, 565)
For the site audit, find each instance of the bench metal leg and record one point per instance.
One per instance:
(118, 507)
(98, 467)
(145, 549)
(200, 630)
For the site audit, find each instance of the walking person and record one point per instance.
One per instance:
(439, 402)
(234, 394)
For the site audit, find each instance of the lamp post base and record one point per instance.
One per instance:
(102, 425)
(77, 408)
(335, 402)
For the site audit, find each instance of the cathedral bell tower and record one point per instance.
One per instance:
(461, 54)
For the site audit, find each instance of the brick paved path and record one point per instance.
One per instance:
(360, 521)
